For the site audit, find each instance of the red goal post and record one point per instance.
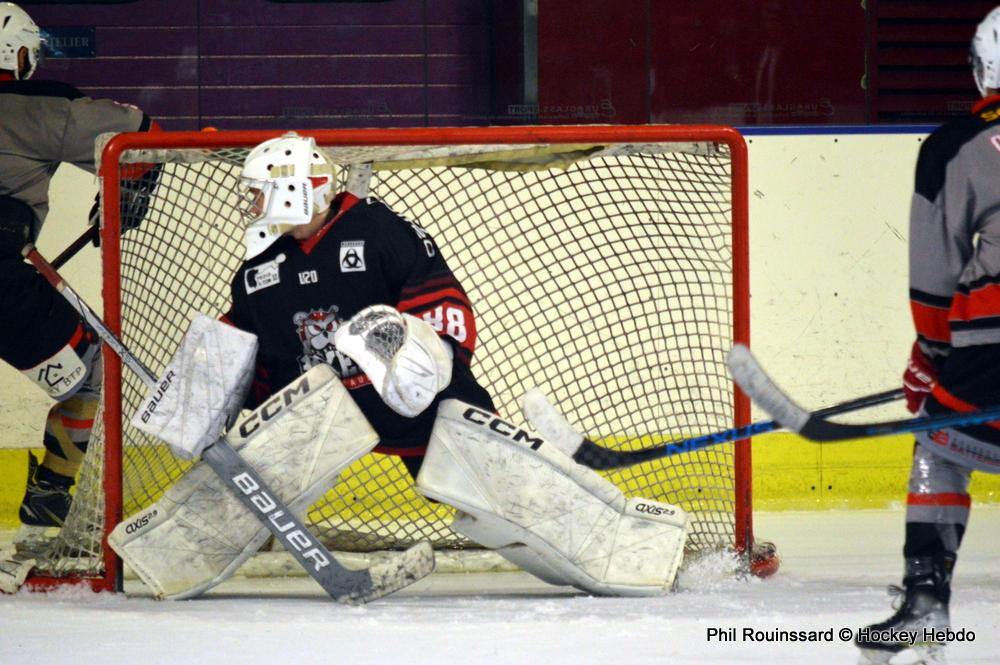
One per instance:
(133, 264)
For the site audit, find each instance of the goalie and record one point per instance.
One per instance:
(336, 281)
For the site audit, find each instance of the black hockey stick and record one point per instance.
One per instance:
(750, 376)
(344, 585)
(598, 457)
(76, 246)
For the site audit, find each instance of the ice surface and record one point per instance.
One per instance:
(835, 568)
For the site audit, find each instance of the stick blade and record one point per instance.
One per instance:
(752, 378)
(397, 573)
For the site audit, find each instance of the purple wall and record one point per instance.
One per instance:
(235, 64)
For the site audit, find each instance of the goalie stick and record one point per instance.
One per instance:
(762, 389)
(349, 586)
(595, 456)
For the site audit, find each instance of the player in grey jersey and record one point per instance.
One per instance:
(42, 125)
(955, 361)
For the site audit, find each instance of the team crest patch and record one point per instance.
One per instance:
(352, 256)
(264, 275)
(316, 329)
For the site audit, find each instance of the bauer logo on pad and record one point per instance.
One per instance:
(352, 256)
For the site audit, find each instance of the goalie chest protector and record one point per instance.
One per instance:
(295, 295)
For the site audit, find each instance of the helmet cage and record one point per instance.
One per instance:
(282, 200)
(271, 208)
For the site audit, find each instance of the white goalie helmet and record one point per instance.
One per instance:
(284, 183)
(984, 55)
(17, 30)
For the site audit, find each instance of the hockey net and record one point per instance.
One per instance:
(605, 265)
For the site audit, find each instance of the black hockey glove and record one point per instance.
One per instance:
(136, 197)
(16, 222)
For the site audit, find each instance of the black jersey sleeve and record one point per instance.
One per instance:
(429, 290)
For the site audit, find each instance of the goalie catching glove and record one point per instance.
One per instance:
(407, 362)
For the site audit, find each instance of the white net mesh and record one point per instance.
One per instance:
(608, 283)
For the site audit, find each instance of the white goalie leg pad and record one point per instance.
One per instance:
(407, 362)
(495, 533)
(204, 384)
(543, 511)
(199, 533)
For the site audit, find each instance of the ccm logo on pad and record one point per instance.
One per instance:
(273, 406)
(484, 419)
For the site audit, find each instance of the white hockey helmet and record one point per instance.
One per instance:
(984, 55)
(284, 183)
(17, 30)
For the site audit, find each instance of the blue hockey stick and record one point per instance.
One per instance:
(598, 457)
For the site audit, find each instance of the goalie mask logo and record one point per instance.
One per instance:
(316, 330)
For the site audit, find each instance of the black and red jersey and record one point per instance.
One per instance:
(295, 295)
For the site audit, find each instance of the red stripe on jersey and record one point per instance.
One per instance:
(931, 322)
(942, 499)
(74, 341)
(73, 423)
(410, 305)
(984, 302)
(945, 398)
(428, 286)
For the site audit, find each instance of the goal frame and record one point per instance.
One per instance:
(113, 577)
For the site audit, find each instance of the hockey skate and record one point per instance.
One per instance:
(44, 508)
(921, 616)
